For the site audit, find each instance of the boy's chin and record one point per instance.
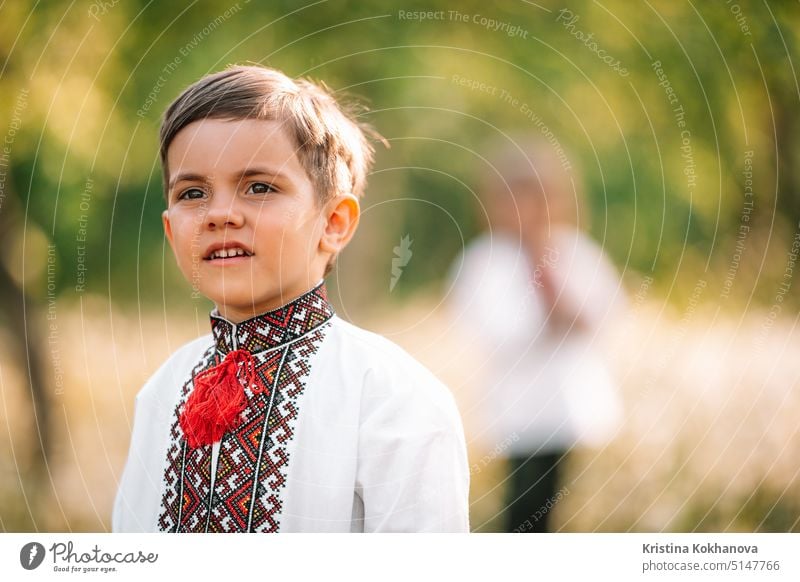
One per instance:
(245, 305)
(239, 303)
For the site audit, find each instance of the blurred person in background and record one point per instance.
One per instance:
(533, 294)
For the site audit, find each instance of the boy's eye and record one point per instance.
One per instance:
(261, 188)
(191, 194)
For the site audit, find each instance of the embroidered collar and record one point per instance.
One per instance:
(273, 328)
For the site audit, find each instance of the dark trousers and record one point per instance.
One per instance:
(532, 487)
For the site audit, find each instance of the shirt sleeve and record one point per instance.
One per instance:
(413, 473)
(490, 297)
(128, 499)
(587, 280)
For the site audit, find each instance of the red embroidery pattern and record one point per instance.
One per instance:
(253, 458)
(175, 498)
(238, 456)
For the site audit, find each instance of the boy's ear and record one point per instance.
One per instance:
(167, 226)
(342, 213)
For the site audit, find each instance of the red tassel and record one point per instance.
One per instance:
(218, 398)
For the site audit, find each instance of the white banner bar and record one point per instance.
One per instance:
(401, 557)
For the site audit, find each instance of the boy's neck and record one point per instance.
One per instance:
(236, 316)
(271, 329)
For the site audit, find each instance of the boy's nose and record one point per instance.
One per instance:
(223, 212)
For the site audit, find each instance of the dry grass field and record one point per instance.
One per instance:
(710, 441)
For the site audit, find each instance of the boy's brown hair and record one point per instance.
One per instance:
(331, 143)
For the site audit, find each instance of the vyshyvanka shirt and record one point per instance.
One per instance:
(341, 431)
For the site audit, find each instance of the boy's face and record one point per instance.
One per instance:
(239, 186)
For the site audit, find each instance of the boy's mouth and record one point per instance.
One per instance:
(227, 251)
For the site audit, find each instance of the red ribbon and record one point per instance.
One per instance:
(218, 398)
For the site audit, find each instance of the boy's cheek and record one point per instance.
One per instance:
(184, 228)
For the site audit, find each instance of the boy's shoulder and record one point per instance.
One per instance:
(372, 349)
(383, 367)
(386, 369)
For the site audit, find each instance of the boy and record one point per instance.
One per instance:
(284, 418)
(547, 388)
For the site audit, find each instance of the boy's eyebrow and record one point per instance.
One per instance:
(188, 177)
(258, 171)
(194, 177)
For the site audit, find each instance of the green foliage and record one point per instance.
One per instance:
(100, 76)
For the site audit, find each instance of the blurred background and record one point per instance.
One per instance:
(682, 118)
